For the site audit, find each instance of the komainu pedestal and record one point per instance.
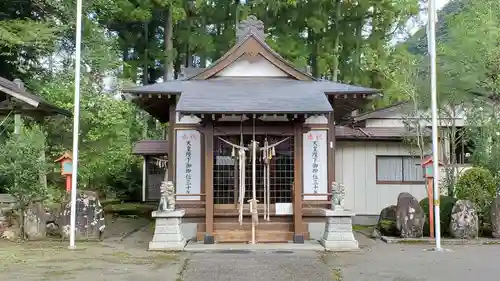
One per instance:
(338, 234)
(168, 234)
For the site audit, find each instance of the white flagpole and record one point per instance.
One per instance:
(435, 157)
(76, 123)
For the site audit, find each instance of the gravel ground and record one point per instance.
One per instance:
(119, 258)
(90, 261)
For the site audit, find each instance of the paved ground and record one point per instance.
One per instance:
(377, 261)
(125, 258)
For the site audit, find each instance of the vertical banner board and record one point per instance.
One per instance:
(188, 164)
(315, 164)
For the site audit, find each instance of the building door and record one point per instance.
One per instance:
(226, 171)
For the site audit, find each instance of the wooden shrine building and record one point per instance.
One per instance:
(251, 94)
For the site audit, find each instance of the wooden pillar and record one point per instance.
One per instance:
(209, 187)
(144, 177)
(171, 139)
(298, 223)
(331, 152)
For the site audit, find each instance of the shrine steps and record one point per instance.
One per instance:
(229, 230)
(245, 236)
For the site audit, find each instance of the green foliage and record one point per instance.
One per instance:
(26, 33)
(477, 185)
(108, 128)
(21, 165)
(402, 76)
(446, 205)
(126, 184)
(484, 133)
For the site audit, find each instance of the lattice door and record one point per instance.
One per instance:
(226, 182)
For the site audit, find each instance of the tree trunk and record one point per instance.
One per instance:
(168, 72)
(314, 53)
(453, 141)
(336, 42)
(22, 232)
(145, 65)
(357, 51)
(43, 172)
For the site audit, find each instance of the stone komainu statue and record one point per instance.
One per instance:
(167, 199)
(338, 194)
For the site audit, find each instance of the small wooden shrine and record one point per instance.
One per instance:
(251, 137)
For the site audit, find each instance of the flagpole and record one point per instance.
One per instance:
(76, 123)
(435, 157)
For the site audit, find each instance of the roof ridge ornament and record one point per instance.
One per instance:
(250, 25)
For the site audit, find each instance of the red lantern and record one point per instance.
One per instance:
(66, 162)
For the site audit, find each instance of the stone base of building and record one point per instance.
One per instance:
(338, 234)
(168, 234)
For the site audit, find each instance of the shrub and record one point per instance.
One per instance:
(477, 185)
(447, 203)
(21, 167)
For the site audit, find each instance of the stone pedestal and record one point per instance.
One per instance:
(168, 234)
(338, 234)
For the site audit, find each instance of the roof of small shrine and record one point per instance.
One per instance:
(29, 103)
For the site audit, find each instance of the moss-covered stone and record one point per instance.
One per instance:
(388, 228)
(387, 222)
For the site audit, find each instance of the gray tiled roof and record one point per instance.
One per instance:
(37, 101)
(375, 133)
(151, 147)
(247, 83)
(254, 96)
(381, 112)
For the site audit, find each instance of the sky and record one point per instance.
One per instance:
(441, 3)
(414, 25)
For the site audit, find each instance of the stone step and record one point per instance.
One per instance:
(261, 236)
(247, 225)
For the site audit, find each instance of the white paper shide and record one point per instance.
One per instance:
(315, 164)
(188, 164)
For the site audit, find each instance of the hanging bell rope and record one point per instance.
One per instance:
(241, 167)
(268, 152)
(265, 160)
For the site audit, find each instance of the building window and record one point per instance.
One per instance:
(463, 147)
(399, 170)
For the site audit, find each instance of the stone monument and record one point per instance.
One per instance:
(464, 222)
(410, 217)
(338, 234)
(168, 234)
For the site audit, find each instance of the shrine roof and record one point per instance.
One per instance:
(254, 95)
(151, 147)
(31, 102)
(247, 83)
(286, 89)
